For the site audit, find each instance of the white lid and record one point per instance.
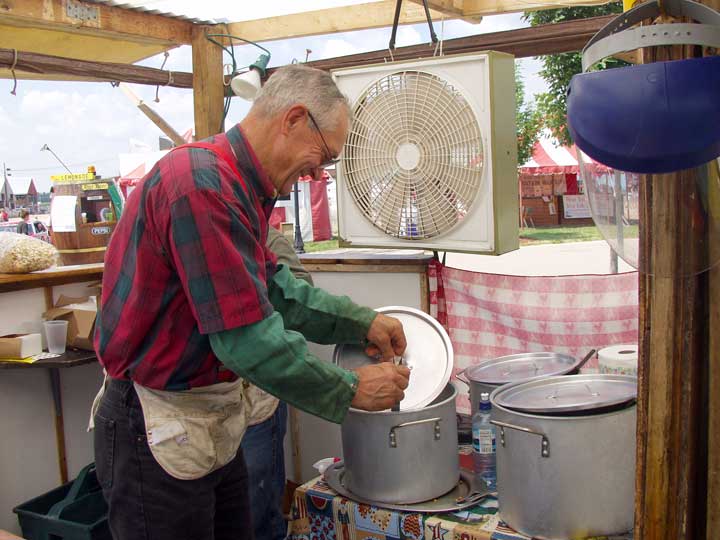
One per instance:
(429, 355)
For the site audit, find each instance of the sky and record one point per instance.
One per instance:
(87, 123)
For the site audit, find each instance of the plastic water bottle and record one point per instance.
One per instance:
(484, 442)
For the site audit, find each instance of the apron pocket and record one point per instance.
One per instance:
(182, 447)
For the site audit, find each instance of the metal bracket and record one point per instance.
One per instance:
(396, 21)
(82, 12)
(393, 437)
(545, 447)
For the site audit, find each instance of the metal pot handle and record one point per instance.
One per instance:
(545, 449)
(393, 437)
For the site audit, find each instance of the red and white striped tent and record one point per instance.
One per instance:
(549, 158)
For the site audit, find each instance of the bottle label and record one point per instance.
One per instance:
(486, 441)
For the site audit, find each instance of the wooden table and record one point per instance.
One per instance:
(71, 358)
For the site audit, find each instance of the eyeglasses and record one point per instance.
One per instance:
(331, 160)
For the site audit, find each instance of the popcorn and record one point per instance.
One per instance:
(20, 253)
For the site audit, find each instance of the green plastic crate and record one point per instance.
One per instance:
(73, 511)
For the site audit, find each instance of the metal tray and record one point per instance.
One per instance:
(467, 493)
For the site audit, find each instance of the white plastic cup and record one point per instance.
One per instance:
(56, 336)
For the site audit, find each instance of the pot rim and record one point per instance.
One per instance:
(429, 407)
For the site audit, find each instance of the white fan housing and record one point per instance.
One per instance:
(431, 158)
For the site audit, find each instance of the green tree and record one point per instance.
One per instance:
(558, 69)
(527, 121)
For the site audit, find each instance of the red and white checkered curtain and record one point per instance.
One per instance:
(491, 315)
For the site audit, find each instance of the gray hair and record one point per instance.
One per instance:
(313, 88)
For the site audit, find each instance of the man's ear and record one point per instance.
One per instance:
(294, 118)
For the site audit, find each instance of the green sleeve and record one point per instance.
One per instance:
(283, 250)
(318, 315)
(278, 361)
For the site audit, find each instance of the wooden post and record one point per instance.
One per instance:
(713, 440)
(208, 85)
(678, 391)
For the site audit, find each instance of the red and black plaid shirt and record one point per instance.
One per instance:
(187, 259)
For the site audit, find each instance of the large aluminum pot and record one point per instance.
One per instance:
(491, 374)
(402, 456)
(562, 476)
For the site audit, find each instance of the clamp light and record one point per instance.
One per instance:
(247, 85)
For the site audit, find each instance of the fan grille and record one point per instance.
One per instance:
(413, 160)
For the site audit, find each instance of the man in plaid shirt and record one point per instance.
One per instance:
(192, 300)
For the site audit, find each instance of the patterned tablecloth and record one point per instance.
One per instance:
(318, 513)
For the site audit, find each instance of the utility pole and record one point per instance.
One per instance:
(4, 191)
(299, 245)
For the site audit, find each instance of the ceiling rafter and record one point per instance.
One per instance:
(328, 21)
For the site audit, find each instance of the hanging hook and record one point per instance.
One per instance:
(12, 70)
(157, 88)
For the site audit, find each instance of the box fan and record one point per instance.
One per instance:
(431, 159)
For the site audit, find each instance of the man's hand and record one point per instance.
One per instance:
(386, 337)
(380, 386)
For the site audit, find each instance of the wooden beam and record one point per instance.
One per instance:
(678, 383)
(451, 9)
(40, 64)
(536, 41)
(208, 88)
(546, 39)
(78, 16)
(153, 116)
(328, 21)
(473, 8)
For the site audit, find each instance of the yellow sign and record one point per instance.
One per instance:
(87, 187)
(71, 178)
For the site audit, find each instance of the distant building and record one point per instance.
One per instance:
(19, 192)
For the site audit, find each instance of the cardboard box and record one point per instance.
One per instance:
(20, 345)
(80, 314)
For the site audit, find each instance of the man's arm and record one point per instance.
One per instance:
(278, 361)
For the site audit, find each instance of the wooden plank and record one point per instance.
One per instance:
(49, 278)
(328, 21)
(119, 24)
(208, 88)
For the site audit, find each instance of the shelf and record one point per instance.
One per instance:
(71, 358)
(60, 275)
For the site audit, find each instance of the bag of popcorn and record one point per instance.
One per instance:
(20, 253)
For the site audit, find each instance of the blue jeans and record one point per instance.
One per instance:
(147, 503)
(262, 446)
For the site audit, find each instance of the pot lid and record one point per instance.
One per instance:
(520, 367)
(429, 355)
(571, 393)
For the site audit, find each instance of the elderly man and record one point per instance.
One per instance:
(194, 308)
